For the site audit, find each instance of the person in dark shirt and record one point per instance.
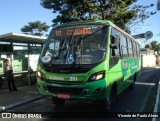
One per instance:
(9, 75)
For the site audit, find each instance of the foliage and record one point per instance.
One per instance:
(121, 12)
(35, 28)
(154, 45)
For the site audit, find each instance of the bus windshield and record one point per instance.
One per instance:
(77, 45)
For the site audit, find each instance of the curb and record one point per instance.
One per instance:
(157, 102)
(2, 109)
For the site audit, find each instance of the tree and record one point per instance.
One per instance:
(154, 45)
(35, 28)
(121, 12)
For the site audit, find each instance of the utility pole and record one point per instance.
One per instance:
(148, 35)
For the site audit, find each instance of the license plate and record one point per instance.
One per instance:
(64, 96)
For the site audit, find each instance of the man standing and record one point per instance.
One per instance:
(9, 75)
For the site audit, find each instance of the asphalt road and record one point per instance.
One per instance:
(140, 99)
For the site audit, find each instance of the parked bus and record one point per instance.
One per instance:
(88, 61)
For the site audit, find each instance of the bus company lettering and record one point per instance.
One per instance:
(134, 67)
(56, 78)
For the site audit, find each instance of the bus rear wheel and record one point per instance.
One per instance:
(133, 84)
(58, 102)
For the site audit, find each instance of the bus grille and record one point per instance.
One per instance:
(67, 90)
(67, 70)
(65, 82)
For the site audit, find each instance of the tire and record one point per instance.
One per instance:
(58, 102)
(108, 103)
(1, 82)
(133, 84)
(113, 94)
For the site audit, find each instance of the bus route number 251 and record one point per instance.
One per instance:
(73, 78)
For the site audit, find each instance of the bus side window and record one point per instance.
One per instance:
(124, 46)
(114, 53)
(138, 50)
(130, 48)
(134, 49)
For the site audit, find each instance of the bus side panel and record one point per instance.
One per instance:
(128, 72)
(116, 77)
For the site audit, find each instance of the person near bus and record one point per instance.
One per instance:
(9, 75)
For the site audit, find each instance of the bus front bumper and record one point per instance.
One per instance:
(91, 91)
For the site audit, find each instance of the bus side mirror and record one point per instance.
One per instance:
(115, 41)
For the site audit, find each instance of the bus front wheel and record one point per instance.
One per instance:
(58, 102)
(108, 103)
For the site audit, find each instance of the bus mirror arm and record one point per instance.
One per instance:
(115, 43)
(113, 46)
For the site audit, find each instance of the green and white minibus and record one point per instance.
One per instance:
(88, 61)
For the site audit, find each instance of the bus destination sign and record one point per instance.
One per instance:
(77, 31)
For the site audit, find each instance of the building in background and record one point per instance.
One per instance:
(148, 57)
(22, 49)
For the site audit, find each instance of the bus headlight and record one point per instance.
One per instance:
(97, 76)
(40, 75)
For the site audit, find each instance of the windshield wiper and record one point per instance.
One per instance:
(62, 48)
(71, 42)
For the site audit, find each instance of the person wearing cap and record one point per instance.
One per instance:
(9, 75)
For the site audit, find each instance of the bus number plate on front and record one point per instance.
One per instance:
(64, 96)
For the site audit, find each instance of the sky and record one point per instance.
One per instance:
(14, 14)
